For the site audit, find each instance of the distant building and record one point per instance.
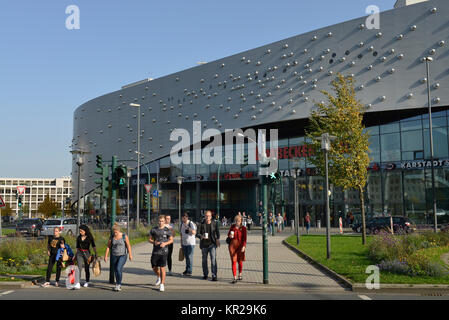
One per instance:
(36, 190)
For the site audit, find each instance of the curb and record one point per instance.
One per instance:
(340, 279)
(28, 282)
(424, 289)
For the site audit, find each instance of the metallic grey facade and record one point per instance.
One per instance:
(274, 83)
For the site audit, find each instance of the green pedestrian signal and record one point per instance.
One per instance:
(120, 176)
(20, 201)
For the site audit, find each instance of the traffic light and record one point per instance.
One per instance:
(245, 160)
(274, 177)
(120, 176)
(20, 201)
(146, 197)
(102, 182)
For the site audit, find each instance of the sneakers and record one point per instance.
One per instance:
(162, 288)
(86, 285)
(214, 279)
(205, 277)
(77, 286)
(118, 287)
(185, 273)
(46, 285)
(158, 282)
(56, 284)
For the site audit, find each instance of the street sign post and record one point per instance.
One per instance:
(2, 203)
(148, 187)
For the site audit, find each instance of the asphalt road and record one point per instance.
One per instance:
(153, 294)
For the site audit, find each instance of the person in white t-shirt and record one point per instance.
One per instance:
(188, 232)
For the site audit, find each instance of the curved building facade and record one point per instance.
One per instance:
(276, 86)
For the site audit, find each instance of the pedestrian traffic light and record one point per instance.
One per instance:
(102, 182)
(274, 177)
(120, 176)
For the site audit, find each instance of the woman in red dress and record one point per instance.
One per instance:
(237, 246)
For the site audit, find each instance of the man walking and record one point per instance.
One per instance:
(280, 222)
(209, 233)
(161, 237)
(188, 232)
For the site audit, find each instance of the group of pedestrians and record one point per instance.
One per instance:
(60, 253)
(162, 237)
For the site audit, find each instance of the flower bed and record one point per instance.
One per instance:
(412, 255)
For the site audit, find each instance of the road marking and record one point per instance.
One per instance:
(363, 297)
(6, 292)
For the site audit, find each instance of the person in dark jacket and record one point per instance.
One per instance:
(53, 245)
(209, 233)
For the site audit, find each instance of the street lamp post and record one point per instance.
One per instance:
(296, 210)
(179, 200)
(325, 147)
(264, 163)
(128, 175)
(79, 162)
(148, 182)
(138, 159)
(429, 104)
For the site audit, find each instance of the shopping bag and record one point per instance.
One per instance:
(73, 277)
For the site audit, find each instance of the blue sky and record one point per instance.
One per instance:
(46, 70)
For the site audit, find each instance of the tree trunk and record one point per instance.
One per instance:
(362, 207)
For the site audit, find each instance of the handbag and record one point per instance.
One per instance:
(228, 240)
(181, 255)
(96, 267)
(65, 256)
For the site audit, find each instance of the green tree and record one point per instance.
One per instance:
(48, 207)
(342, 117)
(6, 211)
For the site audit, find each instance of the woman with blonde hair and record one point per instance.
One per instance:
(237, 246)
(119, 245)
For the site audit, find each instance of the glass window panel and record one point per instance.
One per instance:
(434, 114)
(412, 140)
(407, 156)
(372, 130)
(414, 195)
(392, 181)
(375, 148)
(390, 147)
(440, 143)
(411, 125)
(389, 128)
(436, 122)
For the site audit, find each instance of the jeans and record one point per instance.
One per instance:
(188, 253)
(212, 251)
(118, 262)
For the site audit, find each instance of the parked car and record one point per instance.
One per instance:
(31, 227)
(400, 225)
(357, 227)
(377, 224)
(122, 221)
(67, 226)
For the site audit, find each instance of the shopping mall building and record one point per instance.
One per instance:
(275, 87)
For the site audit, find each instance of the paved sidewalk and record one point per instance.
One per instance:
(287, 271)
